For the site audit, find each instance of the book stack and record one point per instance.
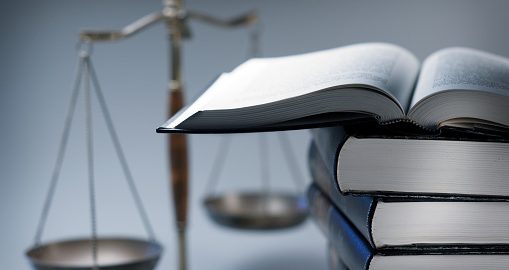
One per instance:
(410, 161)
(391, 202)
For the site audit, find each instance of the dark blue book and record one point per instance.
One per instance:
(417, 221)
(358, 254)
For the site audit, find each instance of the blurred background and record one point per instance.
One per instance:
(38, 59)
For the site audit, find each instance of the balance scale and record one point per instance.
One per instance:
(262, 210)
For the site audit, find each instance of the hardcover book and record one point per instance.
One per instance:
(440, 166)
(416, 221)
(454, 87)
(356, 253)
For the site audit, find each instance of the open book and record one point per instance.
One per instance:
(454, 87)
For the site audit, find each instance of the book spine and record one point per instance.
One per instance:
(356, 253)
(358, 209)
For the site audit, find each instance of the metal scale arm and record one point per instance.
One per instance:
(152, 18)
(175, 17)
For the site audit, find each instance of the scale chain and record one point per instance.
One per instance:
(61, 153)
(90, 159)
(218, 165)
(254, 40)
(119, 150)
(264, 164)
(254, 51)
(291, 161)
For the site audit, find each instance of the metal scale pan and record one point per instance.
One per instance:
(256, 211)
(113, 254)
(252, 210)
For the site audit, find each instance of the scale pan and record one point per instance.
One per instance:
(112, 253)
(257, 211)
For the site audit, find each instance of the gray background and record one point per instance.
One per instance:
(37, 67)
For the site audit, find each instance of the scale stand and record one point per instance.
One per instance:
(175, 16)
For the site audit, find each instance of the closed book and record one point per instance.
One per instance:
(462, 165)
(418, 221)
(357, 253)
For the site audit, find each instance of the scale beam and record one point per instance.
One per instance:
(152, 18)
(242, 20)
(125, 32)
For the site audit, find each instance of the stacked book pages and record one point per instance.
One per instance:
(410, 160)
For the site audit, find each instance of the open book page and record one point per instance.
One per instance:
(462, 69)
(221, 83)
(384, 67)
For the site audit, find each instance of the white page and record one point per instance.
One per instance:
(462, 69)
(221, 83)
(260, 81)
